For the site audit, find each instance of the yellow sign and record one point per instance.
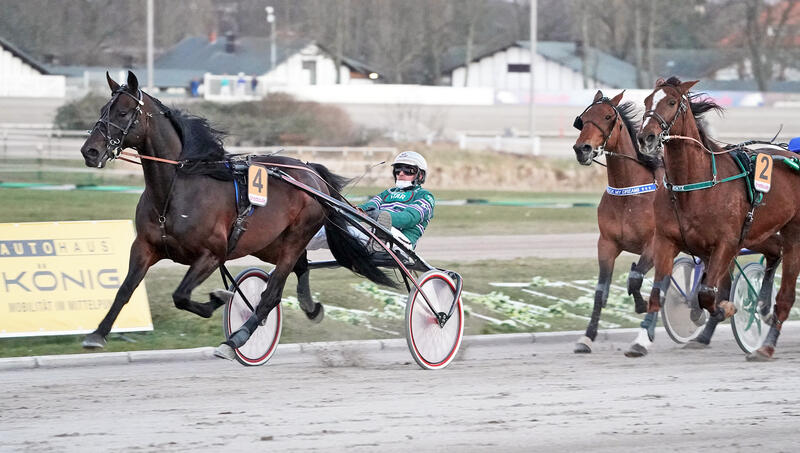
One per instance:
(763, 176)
(257, 180)
(59, 278)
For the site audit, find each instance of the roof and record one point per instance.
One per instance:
(161, 77)
(694, 63)
(23, 56)
(606, 68)
(251, 55)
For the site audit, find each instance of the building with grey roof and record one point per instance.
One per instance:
(558, 66)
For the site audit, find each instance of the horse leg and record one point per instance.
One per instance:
(197, 273)
(704, 338)
(765, 292)
(313, 310)
(141, 258)
(719, 265)
(713, 293)
(783, 302)
(664, 252)
(607, 252)
(270, 299)
(636, 277)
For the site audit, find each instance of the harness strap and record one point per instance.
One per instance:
(706, 184)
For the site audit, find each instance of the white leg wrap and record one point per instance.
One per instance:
(643, 339)
(585, 340)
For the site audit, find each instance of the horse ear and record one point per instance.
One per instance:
(111, 83)
(598, 96)
(660, 82)
(133, 82)
(616, 99)
(686, 86)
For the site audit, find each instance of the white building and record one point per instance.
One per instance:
(22, 76)
(557, 67)
(228, 66)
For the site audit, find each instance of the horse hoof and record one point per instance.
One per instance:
(583, 346)
(696, 316)
(640, 308)
(224, 351)
(317, 315)
(94, 341)
(728, 308)
(694, 344)
(220, 297)
(758, 356)
(636, 350)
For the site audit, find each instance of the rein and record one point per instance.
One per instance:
(180, 164)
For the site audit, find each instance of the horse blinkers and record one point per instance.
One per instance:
(578, 123)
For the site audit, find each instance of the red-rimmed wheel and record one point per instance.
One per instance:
(264, 341)
(434, 346)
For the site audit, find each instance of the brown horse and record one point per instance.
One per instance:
(189, 206)
(708, 195)
(625, 214)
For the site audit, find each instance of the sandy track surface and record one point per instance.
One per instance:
(501, 397)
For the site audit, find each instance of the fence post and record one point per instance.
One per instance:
(39, 163)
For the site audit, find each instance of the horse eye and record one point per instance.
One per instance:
(608, 117)
(672, 102)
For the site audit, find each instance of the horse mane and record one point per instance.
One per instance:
(628, 113)
(199, 140)
(700, 104)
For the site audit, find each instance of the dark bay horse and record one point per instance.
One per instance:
(711, 204)
(187, 215)
(625, 214)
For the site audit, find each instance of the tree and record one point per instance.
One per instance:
(767, 36)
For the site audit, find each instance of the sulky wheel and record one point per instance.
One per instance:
(264, 341)
(749, 326)
(433, 345)
(682, 317)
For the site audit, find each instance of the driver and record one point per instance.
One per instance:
(406, 208)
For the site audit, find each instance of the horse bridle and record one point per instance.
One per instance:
(114, 145)
(662, 123)
(579, 123)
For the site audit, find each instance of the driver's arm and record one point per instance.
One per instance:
(374, 202)
(417, 211)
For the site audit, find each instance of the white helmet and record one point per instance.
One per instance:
(413, 159)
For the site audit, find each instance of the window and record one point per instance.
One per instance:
(310, 71)
(519, 67)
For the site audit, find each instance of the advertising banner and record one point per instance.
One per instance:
(59, 278)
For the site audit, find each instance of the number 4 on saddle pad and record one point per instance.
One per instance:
(763, 176)
(257, 185)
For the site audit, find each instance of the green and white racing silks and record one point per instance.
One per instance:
(411, 209)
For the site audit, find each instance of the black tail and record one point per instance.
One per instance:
(348, 251)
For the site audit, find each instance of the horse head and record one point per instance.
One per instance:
(602, 114)
(120, 124)
(665, 114)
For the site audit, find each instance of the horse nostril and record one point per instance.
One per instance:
(649, 138)
(91, 153)
(582, 148)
